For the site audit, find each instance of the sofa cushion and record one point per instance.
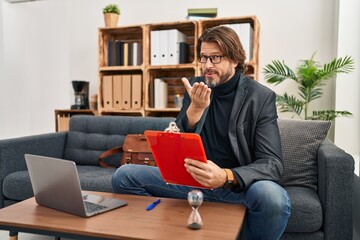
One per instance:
(306, 211)
(17, 185)
(300, 140)
(89, 136)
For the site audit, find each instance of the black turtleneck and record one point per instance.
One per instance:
(214, 133)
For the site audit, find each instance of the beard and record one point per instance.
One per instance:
(217, 78)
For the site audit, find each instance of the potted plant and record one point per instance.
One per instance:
(310, 77)
(111, 15)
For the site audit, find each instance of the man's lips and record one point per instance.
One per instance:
(209, 73)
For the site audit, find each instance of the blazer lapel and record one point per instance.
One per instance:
(236, 109)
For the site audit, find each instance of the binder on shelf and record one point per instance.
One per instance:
(156, 92)
(184, 52)
(137, 54)
(126, 54)
(160, 93)
(117, 91)
(155, 47)
(151, 94)
(175, 37)
(126, 91)
(111, 53)
(245, 33)
(130, 53)
(136, 91)
(107, 92)
(119, 46)
(246, 38)
(163, 47)
(63, 122)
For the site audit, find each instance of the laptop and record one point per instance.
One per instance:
(170, 150)
(56, 185)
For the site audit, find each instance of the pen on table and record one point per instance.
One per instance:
(152, 205)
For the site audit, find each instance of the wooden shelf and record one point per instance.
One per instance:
(62, 117)
(172, 74)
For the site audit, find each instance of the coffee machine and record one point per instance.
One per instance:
(81, 91)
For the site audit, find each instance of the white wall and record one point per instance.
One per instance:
(45, 50)
(347, 132)
(1, 43)
(36, 66)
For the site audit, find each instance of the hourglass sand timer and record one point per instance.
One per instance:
(195, 199)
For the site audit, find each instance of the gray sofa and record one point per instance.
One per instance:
(318, 174)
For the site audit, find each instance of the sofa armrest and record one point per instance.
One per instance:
(12, 152)
(335, 188)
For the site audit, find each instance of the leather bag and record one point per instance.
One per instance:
(135, 150)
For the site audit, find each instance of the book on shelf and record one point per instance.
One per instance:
(119, 45)
(201, 13)
(184, 52)
(111, 53)
(136, 54)
(160, 93)
(130, 54)
(124, 53)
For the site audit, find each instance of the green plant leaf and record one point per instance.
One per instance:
(341, 65)
(329, 115)
(278, 72)
(111, 8)
(288, 103)
(310, 77)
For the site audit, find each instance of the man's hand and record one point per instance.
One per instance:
(207, 174)
(199, 94)
(200, 99)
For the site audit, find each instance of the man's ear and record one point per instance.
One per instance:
(234, 64)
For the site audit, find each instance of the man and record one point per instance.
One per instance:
(237, 120)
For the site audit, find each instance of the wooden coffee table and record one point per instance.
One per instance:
(168, 220)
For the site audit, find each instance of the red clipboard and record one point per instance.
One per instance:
(170, 150)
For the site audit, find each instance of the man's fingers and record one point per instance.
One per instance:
(186, 84)
(208, 93)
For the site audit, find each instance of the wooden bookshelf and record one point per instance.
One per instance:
(170, 73)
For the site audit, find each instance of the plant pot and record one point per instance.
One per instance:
(111, 20)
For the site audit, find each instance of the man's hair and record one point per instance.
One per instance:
(229, 43)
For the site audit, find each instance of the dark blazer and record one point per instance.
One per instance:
(253, 131)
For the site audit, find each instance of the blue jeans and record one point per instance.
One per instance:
(267, 203)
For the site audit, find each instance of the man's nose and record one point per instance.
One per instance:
(208, 63)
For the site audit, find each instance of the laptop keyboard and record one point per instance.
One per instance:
(93, 207)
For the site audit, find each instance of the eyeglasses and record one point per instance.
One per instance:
(213, 59)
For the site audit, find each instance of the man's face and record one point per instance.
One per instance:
(215, 73)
